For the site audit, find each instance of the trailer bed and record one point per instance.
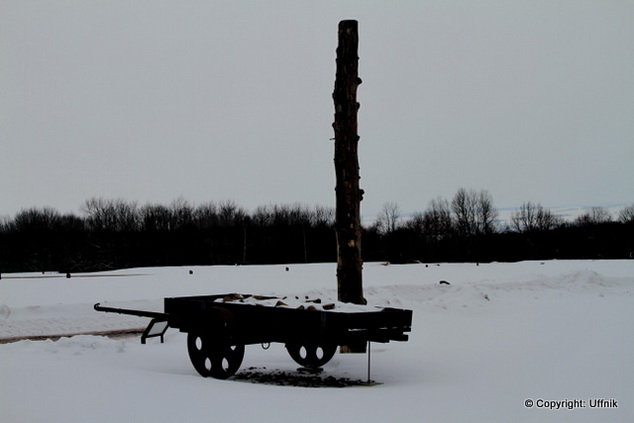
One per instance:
(259, 319)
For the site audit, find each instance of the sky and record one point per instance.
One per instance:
(150, 101)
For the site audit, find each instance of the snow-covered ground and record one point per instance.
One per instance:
(558, 333)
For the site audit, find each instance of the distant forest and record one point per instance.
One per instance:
(114, 234)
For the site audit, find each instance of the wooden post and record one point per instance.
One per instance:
(348, 194)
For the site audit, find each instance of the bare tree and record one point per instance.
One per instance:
(182, 213)
(437, 219)
(206, 216)
(463, 206)
(34, 219)
(231, 214)
(5, 224)
(387, 220)
(474, 213)
(155, 217)
(485, 213)
(595, 216)
(111, 215)
(464, 211)
(533, 217)
(626, 215)
(322, 216)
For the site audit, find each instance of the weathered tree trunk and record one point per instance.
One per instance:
(348, 194)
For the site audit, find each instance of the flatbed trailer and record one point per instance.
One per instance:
(219, 326)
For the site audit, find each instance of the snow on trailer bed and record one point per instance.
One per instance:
(296, 302)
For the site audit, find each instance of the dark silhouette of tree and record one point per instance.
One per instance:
(437, 222)
(486, 214)
(626, 215)
(595, 216)
(473, 212)
(532, 217)
(155, 218)
(111, 215)
(387, 220)
(463, 206)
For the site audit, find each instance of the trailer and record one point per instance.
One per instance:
(219, 326)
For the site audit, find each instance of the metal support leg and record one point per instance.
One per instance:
(369, 361)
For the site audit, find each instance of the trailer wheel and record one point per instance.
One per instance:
(215, 352)
(213, 357)
(311, 355)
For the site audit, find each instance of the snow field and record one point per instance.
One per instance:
(500, 334)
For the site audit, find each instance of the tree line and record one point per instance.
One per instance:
(115, 233)
(467, 228)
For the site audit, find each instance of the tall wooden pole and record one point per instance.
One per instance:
(348, 194)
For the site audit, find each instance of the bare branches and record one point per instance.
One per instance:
(531, 217)
(626, 215)
(474, 213)
(596, 216)
(388, 218)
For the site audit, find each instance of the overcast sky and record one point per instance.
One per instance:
(231, 100)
